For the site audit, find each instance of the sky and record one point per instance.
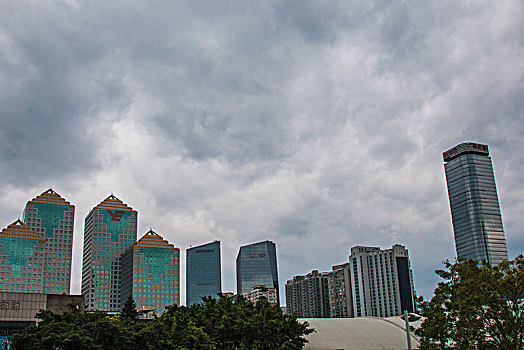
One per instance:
(319, 125)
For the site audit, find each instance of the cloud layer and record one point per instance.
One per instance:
(316, 124)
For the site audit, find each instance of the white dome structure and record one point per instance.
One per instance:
(363, 333)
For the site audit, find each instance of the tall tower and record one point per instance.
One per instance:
(110, 228)
(474, 203)
(257, 266)
(52, 217)
(21, 258)
(151, 273)
(203, 273)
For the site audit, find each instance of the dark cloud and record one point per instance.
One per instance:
(317, 124)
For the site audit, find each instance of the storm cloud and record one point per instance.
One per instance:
(316, 124)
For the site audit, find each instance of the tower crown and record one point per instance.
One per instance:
(465, 148)
(50, 197)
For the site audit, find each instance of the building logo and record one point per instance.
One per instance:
(117, 215)
(257, 255)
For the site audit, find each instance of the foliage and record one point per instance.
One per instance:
(129, 310)
(476, 307)
(213, 324)
(76, 330)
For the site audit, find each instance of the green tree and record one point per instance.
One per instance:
(76, 330)
(214, 324)
(241, 324)
(129, 310)
(476, 307)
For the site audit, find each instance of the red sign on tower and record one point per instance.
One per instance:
(117, 215)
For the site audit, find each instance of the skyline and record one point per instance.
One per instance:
(316, 125)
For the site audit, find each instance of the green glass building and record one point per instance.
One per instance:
(110, 229)
(151, 273)
(52, 218)
(21, 259)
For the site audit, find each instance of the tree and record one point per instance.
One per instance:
(75, 330)
(214, 324)
(241, 324)
(129, 310)
(476, 307)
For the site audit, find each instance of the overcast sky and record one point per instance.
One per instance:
(318, 125)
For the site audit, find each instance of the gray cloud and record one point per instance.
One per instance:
(317, 124)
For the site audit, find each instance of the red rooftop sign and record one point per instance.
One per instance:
(465, 147)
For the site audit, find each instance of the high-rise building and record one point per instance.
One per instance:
(308, 295)
(381, 281)
(110, 228)
(339, 289)
(52, 217)
(151, 273)
(203, 272)
(257, 266)
(475, 210)
(21, 259)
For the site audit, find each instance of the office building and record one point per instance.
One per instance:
(203, 272)
(475, 210)
(257, 266)
(52, 217)
(308, 295)
(339, 292)
(381, 281)
(21, 259)
(110, 228)
(151, 273)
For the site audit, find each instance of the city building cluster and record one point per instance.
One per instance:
(36, 254)
(374, 282)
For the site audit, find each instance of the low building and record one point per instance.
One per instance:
(262, 291)
(18, 310)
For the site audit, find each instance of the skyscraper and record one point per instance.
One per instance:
(52, 217)
(110, 228)
(257, 266)
(21, 259)
(475, 210)
(203, 272)
(381, 281)
(151, 273)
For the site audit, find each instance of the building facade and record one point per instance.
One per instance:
(257, 266)
(203, 272)
(381, 281)
(21, 259)
(258, 292)
(18, 310)
(473, 199)
(308, 295)
(339, 292)
(110, 229)
(151, 273)
(52, 217)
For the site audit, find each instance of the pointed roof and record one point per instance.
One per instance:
(112, 202)
(153, 240)
(50, 197)
(20, 230)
